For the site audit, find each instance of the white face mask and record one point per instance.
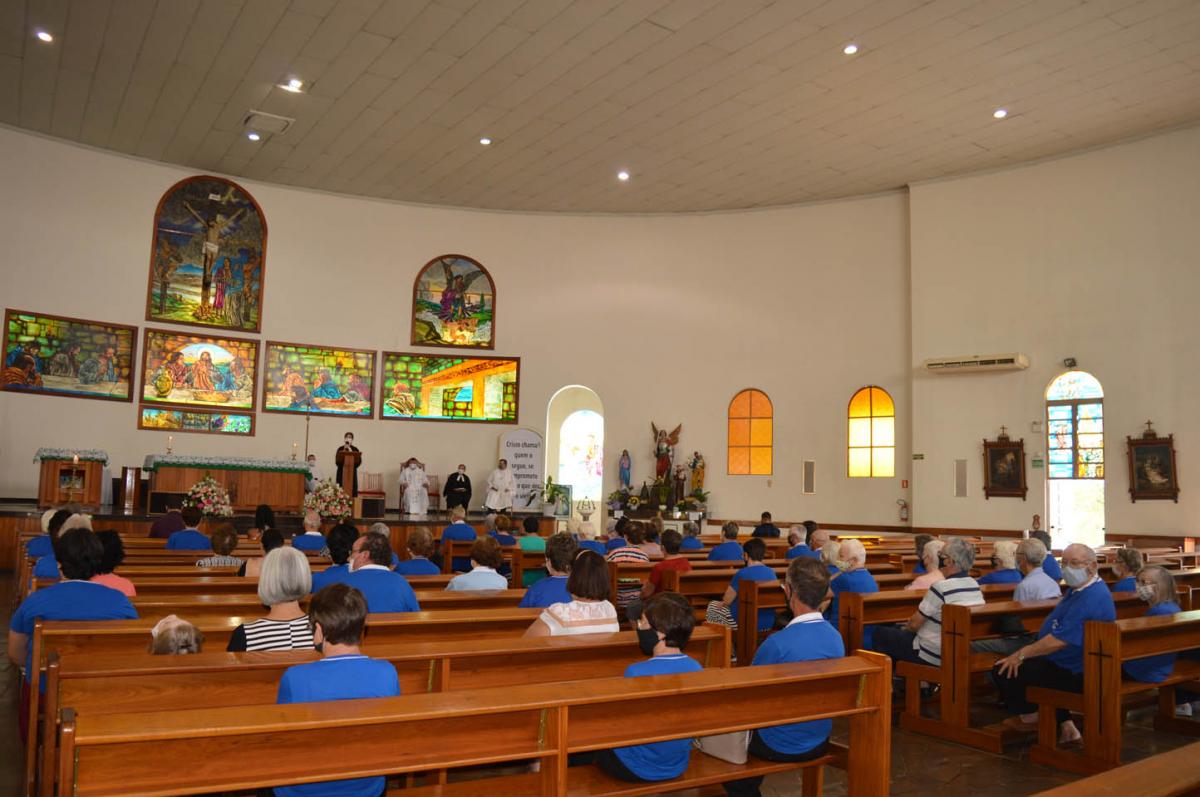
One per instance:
(1075, 576)
(1146, 592)
(462, 471)
(412, 466)
(844, 566)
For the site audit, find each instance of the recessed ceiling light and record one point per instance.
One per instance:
(294, 85)
(253, 136)
(850, 49)
(622, 175)
(999, 113)
(485, 141)
(44, 36)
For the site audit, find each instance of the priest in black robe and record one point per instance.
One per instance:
(348, 445)
(458, 489)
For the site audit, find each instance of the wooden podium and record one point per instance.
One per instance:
(348, 461)
(64, 481)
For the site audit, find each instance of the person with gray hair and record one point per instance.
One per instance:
(1156, 587)
(1004, 560)
(930, 553)
(853, 577)
(284, 579)
(729, 550)
(385, 531)
(920, 639)
(312, 539)
(691, 537)
(1036, 584)
(1128, 564)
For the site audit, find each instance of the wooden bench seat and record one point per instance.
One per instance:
(123, 753)
(1175, 773)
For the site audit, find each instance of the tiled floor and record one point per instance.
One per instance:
(918, 762)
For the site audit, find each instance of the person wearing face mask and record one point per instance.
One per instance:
(458, 489)
(1004, 557)
(663, 631)
(314, 474)
(1126, 568)
(348, 445)
(415, 486)
(1156, 587)
(1055, 660)
(502, 489)
(854, 577)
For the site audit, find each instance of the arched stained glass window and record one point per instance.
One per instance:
(871, 451)
(751, 434)
(1075, 427)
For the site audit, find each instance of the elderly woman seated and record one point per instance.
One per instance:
(1004, 554)
(420, 548)
(484, 574)
(173, 635)
(931, 574)
(283, 580)
(1127, 566)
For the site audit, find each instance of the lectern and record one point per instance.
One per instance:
(348, 461)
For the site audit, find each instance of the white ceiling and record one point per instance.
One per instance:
(710, 104)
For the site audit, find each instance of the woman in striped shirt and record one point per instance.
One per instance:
(285, 579)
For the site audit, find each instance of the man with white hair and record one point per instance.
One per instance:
(853, 577)
(1055, 660)
(1004, 558)
(1036, 584)
(805, 540)
(312, 539)
(920, 639)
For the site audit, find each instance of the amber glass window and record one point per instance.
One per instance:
(751, 434)
(871, 451)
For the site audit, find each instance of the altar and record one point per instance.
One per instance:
(278, 483)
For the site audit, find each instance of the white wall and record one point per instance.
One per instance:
(1091, 256)
(666, 317)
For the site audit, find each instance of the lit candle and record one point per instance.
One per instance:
(170, 440)
(75, 460)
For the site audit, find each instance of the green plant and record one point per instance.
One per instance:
(551, 492)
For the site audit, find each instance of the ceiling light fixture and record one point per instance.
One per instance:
(850, 49)
(294, 85)
(253, 136)
(485, 141)
(999, 113)
(43, 36)
(623, 175)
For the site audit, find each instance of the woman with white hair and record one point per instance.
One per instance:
(1004, 555)
(829, 556)
(385, 531)
(929, 558)
(852, 562)
(283, 580)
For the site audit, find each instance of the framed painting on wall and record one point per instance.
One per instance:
(61, 356)
(431, 387)
(320, 380)
(207, 256)
(193, 370)
(1152, 471)
(454, 304)
(1004, 468)
(165, 419)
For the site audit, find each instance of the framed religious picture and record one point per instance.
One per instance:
(59, 356)
(201, 371)
(207, 256)
(321, 380)
(435, 387)
(166, 419)
(454, 304)
(1004, 468)
(1152, 473)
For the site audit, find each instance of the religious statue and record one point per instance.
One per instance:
(681, 483)
(697, 466)
(625, 468)
(664, 450)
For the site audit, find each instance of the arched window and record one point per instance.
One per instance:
(1075, 427)
(581, 454)
(872, 434)
(751, 434)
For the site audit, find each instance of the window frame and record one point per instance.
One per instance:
(871, 447)
(749, 447)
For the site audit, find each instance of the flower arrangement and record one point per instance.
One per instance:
(210, 497)
(634, 502)
(329, 501)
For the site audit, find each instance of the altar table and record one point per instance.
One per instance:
(277, 483)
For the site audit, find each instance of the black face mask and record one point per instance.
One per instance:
(647, 640)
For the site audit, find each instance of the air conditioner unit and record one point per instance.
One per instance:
(987, 362)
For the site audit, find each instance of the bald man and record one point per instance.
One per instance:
(1055, 660)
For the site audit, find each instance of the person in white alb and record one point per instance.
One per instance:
(416, 488)
(502, 489)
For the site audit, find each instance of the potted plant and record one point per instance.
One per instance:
(551, 494)
(662, 491)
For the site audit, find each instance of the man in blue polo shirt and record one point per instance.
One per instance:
(337, 615)
(1055, 660)
(47, 565)
(340, 541)
(806, 540)
(370, 573)
(853, 577)
(459, 530)
(1049, 564)
(691, 537)
(729, 550)
(560, 553)
(40, 546)
(807, 638)
(1004, 559)
(725, 611)
(190, 539)
(312, 539)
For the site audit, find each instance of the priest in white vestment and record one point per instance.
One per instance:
(502, 489)
(416, 489)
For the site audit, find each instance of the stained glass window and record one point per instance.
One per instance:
(751, 434)
(1075, 427)
(871, 450)
(581, 454)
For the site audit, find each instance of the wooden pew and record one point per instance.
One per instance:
(125, 753)
(204, 584)
(145, 682)
(962, 625)
(857, 610)
(1106, 646)
(461, 549)
(1175, 773)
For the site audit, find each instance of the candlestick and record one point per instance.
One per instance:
(170, 442)
(75, 459)
(295, 446)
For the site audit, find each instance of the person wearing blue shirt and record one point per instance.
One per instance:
(340, 541)
(798, 539)
(725, 611)
(368, 572)
(420, 547)
(808, 637)
(1004, 557)
(190, 539)
(1049, 564)
(592, 545)
(766, 528)
(312, 539)
(560, 553)
(616, 538)
(1126, 568)
(41, 546)
(486, 559)
(459, 530)
(853, 577)
(691, 537)
(663, 630)
(338, 614)
(1155, 586)
(919, 543)
(729, 550)
(1055, 660)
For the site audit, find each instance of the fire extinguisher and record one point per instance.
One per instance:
(903, 509)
